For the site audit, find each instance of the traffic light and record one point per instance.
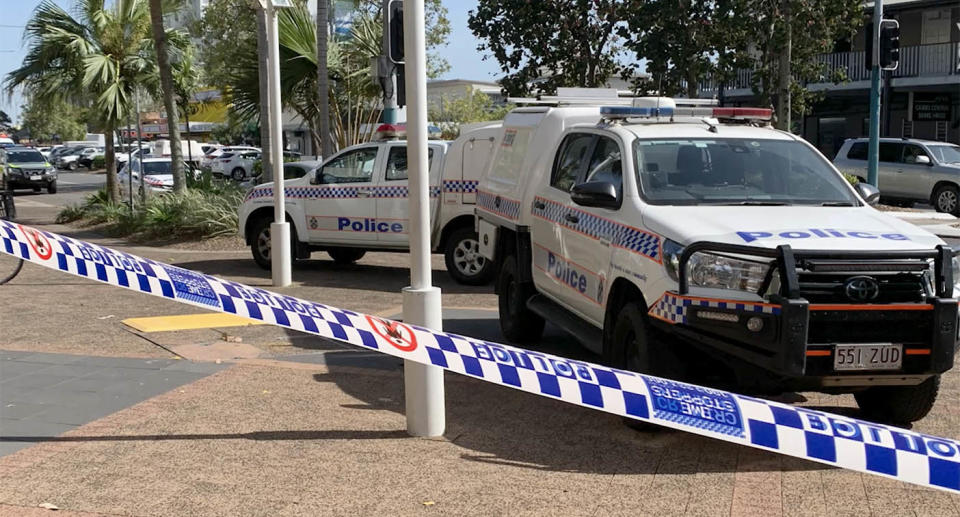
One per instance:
(394, 25)
(889, 44)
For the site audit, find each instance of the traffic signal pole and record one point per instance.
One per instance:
(390, 108)
(874, 148)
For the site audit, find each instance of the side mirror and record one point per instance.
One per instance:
(868, 192)
(923, 160)
(599, 194)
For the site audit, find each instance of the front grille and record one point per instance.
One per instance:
(899, 281)
(831, 288)
(908, 327)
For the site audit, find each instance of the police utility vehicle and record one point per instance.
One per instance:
(356, 201)
(700, 243)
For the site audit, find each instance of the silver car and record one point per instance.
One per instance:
(909, 170)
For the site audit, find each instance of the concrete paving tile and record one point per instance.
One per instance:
(36, 380)
(71, 370)
(52, 359)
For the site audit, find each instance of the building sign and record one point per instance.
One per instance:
(931, 107)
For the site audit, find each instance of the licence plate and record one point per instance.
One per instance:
(36, 178)
(870, 356)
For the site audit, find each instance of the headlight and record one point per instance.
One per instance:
(719, 272)
(50, 170)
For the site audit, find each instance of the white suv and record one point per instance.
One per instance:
(699, 243)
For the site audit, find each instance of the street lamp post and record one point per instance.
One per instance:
(280, 259)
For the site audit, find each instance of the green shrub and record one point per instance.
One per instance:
(98, 162)
(853, 180)
(71, 213)
(99, 198)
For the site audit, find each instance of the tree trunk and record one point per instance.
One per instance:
(110, 159)
(323, 78)
(783, 90)
(266, 164)
(166, 84)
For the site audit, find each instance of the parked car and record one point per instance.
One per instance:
(70, 160)
(122, 157)
(27, 168)
(209, 160)
(237, 165)
(87, 155)
(157, 175)
(909, 170)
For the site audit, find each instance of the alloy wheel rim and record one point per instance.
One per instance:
(467, 257)
(948, 201)
(263, 243)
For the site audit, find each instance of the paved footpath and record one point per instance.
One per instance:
(287, 424)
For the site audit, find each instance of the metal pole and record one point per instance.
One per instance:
(323, 78)
(129, 160)
(423, 385)
(873, 152)
(280, 228)
(139, 147)
(390, 101)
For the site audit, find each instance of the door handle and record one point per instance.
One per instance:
(572, 218)
(364, 193)
(539, 205)
(899, 170)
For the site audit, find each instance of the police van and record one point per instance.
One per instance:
(356, 201)
(700, 243)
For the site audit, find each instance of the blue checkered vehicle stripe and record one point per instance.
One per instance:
(804, 433)
(600, 228)
(343, 192)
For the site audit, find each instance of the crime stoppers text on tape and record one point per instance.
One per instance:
(804, 433)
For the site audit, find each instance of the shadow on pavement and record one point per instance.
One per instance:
(318, 272)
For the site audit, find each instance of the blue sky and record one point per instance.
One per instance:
(465, 60)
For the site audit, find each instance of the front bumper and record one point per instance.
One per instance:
(28, 181)
(791, 338)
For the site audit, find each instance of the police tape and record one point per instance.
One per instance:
(803, 433)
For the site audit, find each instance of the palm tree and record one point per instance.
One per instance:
(93, 59)
(166, 84)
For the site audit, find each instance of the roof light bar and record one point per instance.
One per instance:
(622, 112)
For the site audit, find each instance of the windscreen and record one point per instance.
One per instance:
(945, 153)
(25, 156)
(736, 171)
(157, 167)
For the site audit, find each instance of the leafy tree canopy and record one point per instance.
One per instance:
(53, 121)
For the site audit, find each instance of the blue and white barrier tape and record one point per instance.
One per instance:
(813, 435)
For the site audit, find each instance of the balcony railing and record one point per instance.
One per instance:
(915, 61)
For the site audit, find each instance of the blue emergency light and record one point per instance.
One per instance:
(620, 112)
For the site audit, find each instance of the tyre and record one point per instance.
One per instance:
(633, 350)
(261, 243)
(899, 404)
(946, 198)
(346, 255)
(518, 323)
(72, 166)
(238, 174)
(464, 262)
(52, 187)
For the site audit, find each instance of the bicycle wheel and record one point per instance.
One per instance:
(9, 267)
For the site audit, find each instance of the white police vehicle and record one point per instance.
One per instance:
(357, 201)
(700, 243)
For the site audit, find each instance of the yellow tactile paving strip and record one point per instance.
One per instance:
(188, 322)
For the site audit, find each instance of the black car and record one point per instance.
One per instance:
(24, 167)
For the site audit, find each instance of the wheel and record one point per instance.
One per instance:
(238, 174)
(899, 404)
(52, 187)
(947, 199)
(72, 166)
(346, 255)
(632, 349)
(9, 267)
(518, 323)
(261, 243)
(464, 262)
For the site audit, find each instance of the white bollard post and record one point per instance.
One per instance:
(423, 384)
(280, 260)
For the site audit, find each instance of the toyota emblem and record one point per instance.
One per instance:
(861, 288)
